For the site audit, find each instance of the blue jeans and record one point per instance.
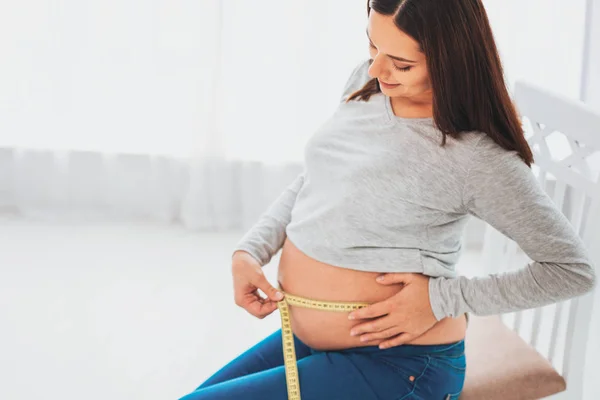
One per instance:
(427, 372)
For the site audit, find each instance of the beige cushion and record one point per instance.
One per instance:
(501, 365)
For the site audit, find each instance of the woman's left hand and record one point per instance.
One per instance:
(402, 317)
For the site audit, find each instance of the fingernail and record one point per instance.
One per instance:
(279, 295)
(380, 278)
(352, 333)
(363, 339)
(350, 316)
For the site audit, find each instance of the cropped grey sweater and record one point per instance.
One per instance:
(378, 193)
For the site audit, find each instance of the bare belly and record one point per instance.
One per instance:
(304, 276)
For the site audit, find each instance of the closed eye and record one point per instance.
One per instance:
(402, 69)
(397, 68)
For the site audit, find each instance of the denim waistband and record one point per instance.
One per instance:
(454, 349)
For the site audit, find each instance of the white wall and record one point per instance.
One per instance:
(590, 92)
(540, 41)
(106, 75)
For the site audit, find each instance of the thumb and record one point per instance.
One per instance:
(264, 285)
(392, 278)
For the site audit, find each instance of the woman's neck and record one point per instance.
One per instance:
(409, 108)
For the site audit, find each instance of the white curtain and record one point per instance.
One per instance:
(198, 111)
(184, 110)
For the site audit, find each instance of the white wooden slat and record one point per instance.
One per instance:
(555, 331)
(578, 206)
(542, 178)
(535, 327)
(518, 321)
(578, 328)
(559, 194)
(592, 230)
(511, 253)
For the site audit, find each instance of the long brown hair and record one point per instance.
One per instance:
(467, 78)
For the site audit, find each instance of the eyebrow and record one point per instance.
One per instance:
(390, 56)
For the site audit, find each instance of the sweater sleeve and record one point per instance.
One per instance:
(267, 235)
(502, 190)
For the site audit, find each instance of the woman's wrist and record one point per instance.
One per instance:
(244, 255)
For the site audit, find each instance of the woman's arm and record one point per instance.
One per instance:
(267, 235)
(503, 191)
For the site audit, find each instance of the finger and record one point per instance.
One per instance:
(393, 278)
(261, 309)
(252, 301)
(261, 282)
(378, 325)
(371, 311)
(384, 334)
(248, 296)
(397, 341)
(267, 308)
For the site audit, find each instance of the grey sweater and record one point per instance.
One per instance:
(379, 193)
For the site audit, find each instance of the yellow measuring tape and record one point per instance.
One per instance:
(289, 351)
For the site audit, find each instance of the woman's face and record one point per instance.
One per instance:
(396, 60)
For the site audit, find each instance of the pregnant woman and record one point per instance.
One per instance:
(425, 136)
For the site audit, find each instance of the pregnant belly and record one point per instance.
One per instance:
(304, 276)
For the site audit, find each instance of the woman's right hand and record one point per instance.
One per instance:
(248, 277)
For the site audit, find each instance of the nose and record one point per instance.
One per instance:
(375, 67)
